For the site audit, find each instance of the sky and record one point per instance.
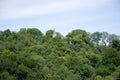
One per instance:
(61, 15)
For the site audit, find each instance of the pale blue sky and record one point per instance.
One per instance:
(61, 15)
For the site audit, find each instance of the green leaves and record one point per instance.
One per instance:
(111, 56)
(22, 72)
(30, 55)
(6, 76)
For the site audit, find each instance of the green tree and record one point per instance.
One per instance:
(95, 38)
(6, 76)
(78, 39)
(116, 44)
(111, 56)
(6, 33)
(22, 72)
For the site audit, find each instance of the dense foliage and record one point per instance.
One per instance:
(30, 55)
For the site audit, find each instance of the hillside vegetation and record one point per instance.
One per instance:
(31, 55)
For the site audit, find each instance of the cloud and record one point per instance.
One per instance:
(21, 8)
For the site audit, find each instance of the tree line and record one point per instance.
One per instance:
(31, 55)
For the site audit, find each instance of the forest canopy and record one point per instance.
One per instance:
(31, 55)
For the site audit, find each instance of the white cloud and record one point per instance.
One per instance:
(22, 8)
